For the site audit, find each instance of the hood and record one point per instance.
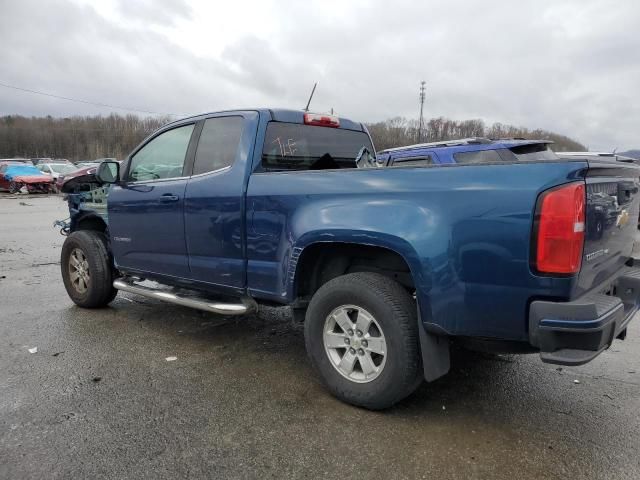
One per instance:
(31, 179)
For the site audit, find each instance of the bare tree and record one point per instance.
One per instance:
(399, 131)
(75, 138)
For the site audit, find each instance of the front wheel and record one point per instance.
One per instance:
(87, 270)
(14, 187)
(361, 334)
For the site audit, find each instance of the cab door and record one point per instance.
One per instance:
(146, 210)
(214, 205)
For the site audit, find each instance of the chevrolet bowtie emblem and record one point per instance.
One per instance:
(622, 219)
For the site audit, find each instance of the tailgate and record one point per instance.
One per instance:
(612, 190)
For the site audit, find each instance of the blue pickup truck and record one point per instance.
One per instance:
(387, 258)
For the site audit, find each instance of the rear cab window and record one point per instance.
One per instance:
(294, 147)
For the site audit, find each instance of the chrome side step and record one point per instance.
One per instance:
(245, 305)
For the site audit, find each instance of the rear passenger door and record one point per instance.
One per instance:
(214, 201)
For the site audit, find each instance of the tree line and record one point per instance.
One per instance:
(400, 131)
(74, 138)
(91, 137)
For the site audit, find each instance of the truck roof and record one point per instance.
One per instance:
(278, 115)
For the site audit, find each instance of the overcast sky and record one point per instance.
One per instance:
(567, 66)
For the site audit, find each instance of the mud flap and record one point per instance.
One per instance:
(435, 353)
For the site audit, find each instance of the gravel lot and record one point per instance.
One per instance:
(99, 400)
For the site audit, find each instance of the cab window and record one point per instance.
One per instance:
(417, 161)
(480, 156)
(163, 157)
(218, 144)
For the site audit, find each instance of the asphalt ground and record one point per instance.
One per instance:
(99, 399)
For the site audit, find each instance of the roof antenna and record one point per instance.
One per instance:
(306, 109)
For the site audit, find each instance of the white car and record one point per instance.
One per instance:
(56, 169)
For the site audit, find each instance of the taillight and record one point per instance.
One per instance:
(560, 229)
(321, 120)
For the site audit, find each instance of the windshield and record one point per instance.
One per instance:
(519, 153)
(292, 146)
(536, 151)
(62, 167)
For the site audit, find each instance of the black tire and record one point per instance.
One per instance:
(396, 313)
(99, 291)
(14, 187)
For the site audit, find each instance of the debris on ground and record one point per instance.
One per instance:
(56, 354)
(171, 359)
(45, 263)
(25, 204)
(96, 379)
(33, 350)
(576, 381)
(608, 396)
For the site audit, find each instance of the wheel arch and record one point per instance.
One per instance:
(389, 254)
(89, 221)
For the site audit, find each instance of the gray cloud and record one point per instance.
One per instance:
(572, 68)
(162, 12)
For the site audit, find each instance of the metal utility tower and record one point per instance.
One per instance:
(422, 97)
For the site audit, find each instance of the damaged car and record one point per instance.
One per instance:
(14, 176)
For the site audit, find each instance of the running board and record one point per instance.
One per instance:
(245, 305)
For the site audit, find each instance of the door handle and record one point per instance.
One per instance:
(169, 197)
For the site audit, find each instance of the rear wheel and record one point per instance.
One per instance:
(361, 336)
(87, 270)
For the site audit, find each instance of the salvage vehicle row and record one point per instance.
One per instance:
(15, 176)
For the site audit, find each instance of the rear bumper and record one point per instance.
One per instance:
(573, 333)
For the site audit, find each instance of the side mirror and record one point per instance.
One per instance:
(108, 172)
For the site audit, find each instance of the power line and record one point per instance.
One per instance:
(85, 101)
